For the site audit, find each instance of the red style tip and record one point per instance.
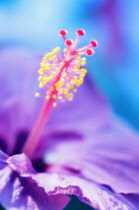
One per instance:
(89, 52)
(80, 32)
(94, 43)
(63, 32)
(68, 42)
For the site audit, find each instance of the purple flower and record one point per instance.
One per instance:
(85, 152)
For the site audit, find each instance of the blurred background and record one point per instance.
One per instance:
(34, 24)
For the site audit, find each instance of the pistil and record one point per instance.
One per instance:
(58, 75)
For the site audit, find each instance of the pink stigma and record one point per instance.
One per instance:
(89, 52)
(80, 32)
(94, 43)
(63, 32)
(68, 42)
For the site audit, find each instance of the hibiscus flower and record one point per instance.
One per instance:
(83, 151)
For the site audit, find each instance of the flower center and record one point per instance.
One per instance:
(59, 75)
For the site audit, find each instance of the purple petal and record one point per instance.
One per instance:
(54, 185)
(18, 192)
(110, 157)
(18, 70)
(133, 198)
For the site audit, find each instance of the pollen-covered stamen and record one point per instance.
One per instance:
(60, 78)
(60, 74)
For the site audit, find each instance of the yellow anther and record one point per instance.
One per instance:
(75, 79)
(48, 55)
(61, 64)
(83, 63)
(51, 88)
(58, 84)
(77, 66)
(42, 65)
(57, 49)
(44, 59)
(53, 73)
(76, 70)
(83, 59)
(50, 78)
(70, 87)
(37, 94)
(44, 77)
(47, 64)
(66, 91)
(79, 83)
(52, 54)
(74, 90)
(54, 104)
(78, 58)
(45, 56)
(41, 71)
(82, 78)
(44, 82)
(57, 69)
(83, 71)
(60, 91)
(72, 82)
(53, 96)
(40, 78)
(57, 88)
(41, 85)
(62, 80)
(64, 75)
(47, 68)
(47, 97)
(82, 74)
(48, 92)
(59, 97)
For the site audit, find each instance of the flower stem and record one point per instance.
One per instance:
(34, 136)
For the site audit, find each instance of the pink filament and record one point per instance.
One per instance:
(35, 134)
